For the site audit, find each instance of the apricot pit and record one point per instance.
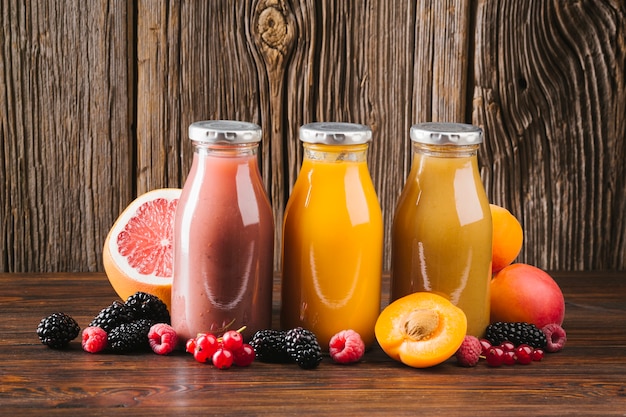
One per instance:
(421, 323)
(421, 329)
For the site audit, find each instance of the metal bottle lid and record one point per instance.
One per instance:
(446, 134)
(225, 131)
(335, 133)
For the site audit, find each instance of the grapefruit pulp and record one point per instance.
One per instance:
(138, 250)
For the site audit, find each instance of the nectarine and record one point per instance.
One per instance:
(524, 293)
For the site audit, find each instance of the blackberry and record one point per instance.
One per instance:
(130, 337)
(517, 333)
(269, 346)
(303, 347)
(57, 330)
(147, 306)
(112, 316)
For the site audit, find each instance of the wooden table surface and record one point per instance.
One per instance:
(587, 378)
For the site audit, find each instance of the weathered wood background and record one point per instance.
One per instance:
(96, 97)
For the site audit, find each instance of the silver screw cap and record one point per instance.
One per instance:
(225, 131)
(335, 133)
(446, 134)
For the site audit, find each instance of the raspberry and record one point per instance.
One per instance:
(469, 352)
(555, 336)
(162, 338)
(94, 339)
(346, 347)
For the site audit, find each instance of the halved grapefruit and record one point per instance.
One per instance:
(138, 250)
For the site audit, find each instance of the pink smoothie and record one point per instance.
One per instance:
(223, 248)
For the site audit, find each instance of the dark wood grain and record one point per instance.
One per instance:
(586, 378)
(65, 124)
(96, 98)
(273, 28)
(555, 119)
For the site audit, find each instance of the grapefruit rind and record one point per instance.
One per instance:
(124, 278)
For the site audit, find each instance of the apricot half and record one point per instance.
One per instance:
(421, 329)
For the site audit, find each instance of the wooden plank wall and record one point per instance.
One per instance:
(97, 96)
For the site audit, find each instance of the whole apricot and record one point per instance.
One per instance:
(525, 293)
(421, 329)
(508, 237)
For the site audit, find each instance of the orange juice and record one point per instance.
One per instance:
(332, 240)
(441, 236)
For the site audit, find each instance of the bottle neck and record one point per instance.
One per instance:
(225, 150)
(335, 153)
(445, 151)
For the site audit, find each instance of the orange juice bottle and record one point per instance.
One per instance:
(441, 235)
(332, 236)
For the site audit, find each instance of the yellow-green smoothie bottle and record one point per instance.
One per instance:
(441, 233)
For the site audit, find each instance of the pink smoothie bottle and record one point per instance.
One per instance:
(223, 235)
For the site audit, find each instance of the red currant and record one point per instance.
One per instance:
(485, 344)
(222, 358)
(201, 355)
(507, 346)
(190, 346)
(495, 356)
(232, 340)
(537, 354)
(509, 358)
(208, 343)
(244, 356)
(524, 354)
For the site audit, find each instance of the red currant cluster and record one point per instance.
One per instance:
(506, 353)
(222, 352)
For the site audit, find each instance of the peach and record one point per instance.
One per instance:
(524, 293)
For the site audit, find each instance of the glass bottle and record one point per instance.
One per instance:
(441, 234)
(332, 236)
(223, 235)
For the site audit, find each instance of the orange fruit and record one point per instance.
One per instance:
(421, 329)
(507, 238)
(138, 250)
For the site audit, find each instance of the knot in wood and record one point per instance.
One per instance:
(273, 29)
